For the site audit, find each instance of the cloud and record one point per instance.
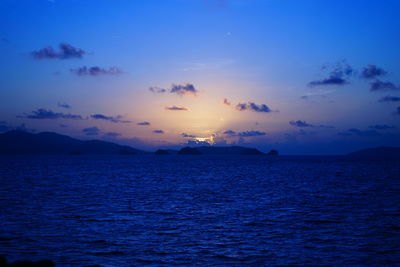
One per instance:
(91, 131)
(115, 119)
(372, 71)
(111, 134)
(42, 113)
(187, 135)
(226, 102)
(183, 89)
(157, 90)
(66, 51)
(143, 123)
(96, 71)
(383, 86)
(390, 99)
(338, 76)
(63, 125)
(397, 112)
(176, 108)
(63, 105)
(358, 132)
(158, 131)
(300, 123)
(251, 133)
(253, 107)
(320, 93)
(4, 127)
(382, 127)
(331, 80)
(244, 134)
(230, 132)
(178, 89)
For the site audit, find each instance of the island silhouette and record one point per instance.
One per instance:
(22, 142)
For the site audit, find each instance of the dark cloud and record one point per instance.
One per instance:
(143, 123)
(358, 132)
(96, 71)
(91, 131)
(390, 99)
(65, 51)
(397, 112)
(251, 133)
(338, 76)
(372, 71)
(176, 89)
(226, 102)
(42, 113)
(115, 119)
(158, 131)
(382, 127)
(241, 106)
(254, 107)
(383, 86)
(111, 134)
(187, 135)
(300, 123)
(63, 105)
(176, 108)
(244, 134)
(183, 89)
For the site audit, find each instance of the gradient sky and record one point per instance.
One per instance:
(303, 77)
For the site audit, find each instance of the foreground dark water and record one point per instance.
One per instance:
(199, 210)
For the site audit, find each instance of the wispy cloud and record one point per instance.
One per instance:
(175, 108)
(96, 71)
(319, 93)
(382, 127)
(91, 131)
(358, 132)
(383, 86)
(65, 51)
(42, 113)
(179, 89)
(143, 123)
(226, 102)
(115, 119)
(390, 99)
(214, 64)
(63, 105)
(252, 133)
(158, 131)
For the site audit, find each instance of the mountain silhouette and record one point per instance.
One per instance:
(20, 142)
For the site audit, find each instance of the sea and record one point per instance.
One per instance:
(199, 210)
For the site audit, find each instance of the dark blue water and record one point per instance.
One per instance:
(199, 210)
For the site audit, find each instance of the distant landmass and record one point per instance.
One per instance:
(19, 142)
(377, 153)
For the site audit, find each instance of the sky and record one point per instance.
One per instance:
(303, 77)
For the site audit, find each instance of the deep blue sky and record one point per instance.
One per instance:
(301, 76)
